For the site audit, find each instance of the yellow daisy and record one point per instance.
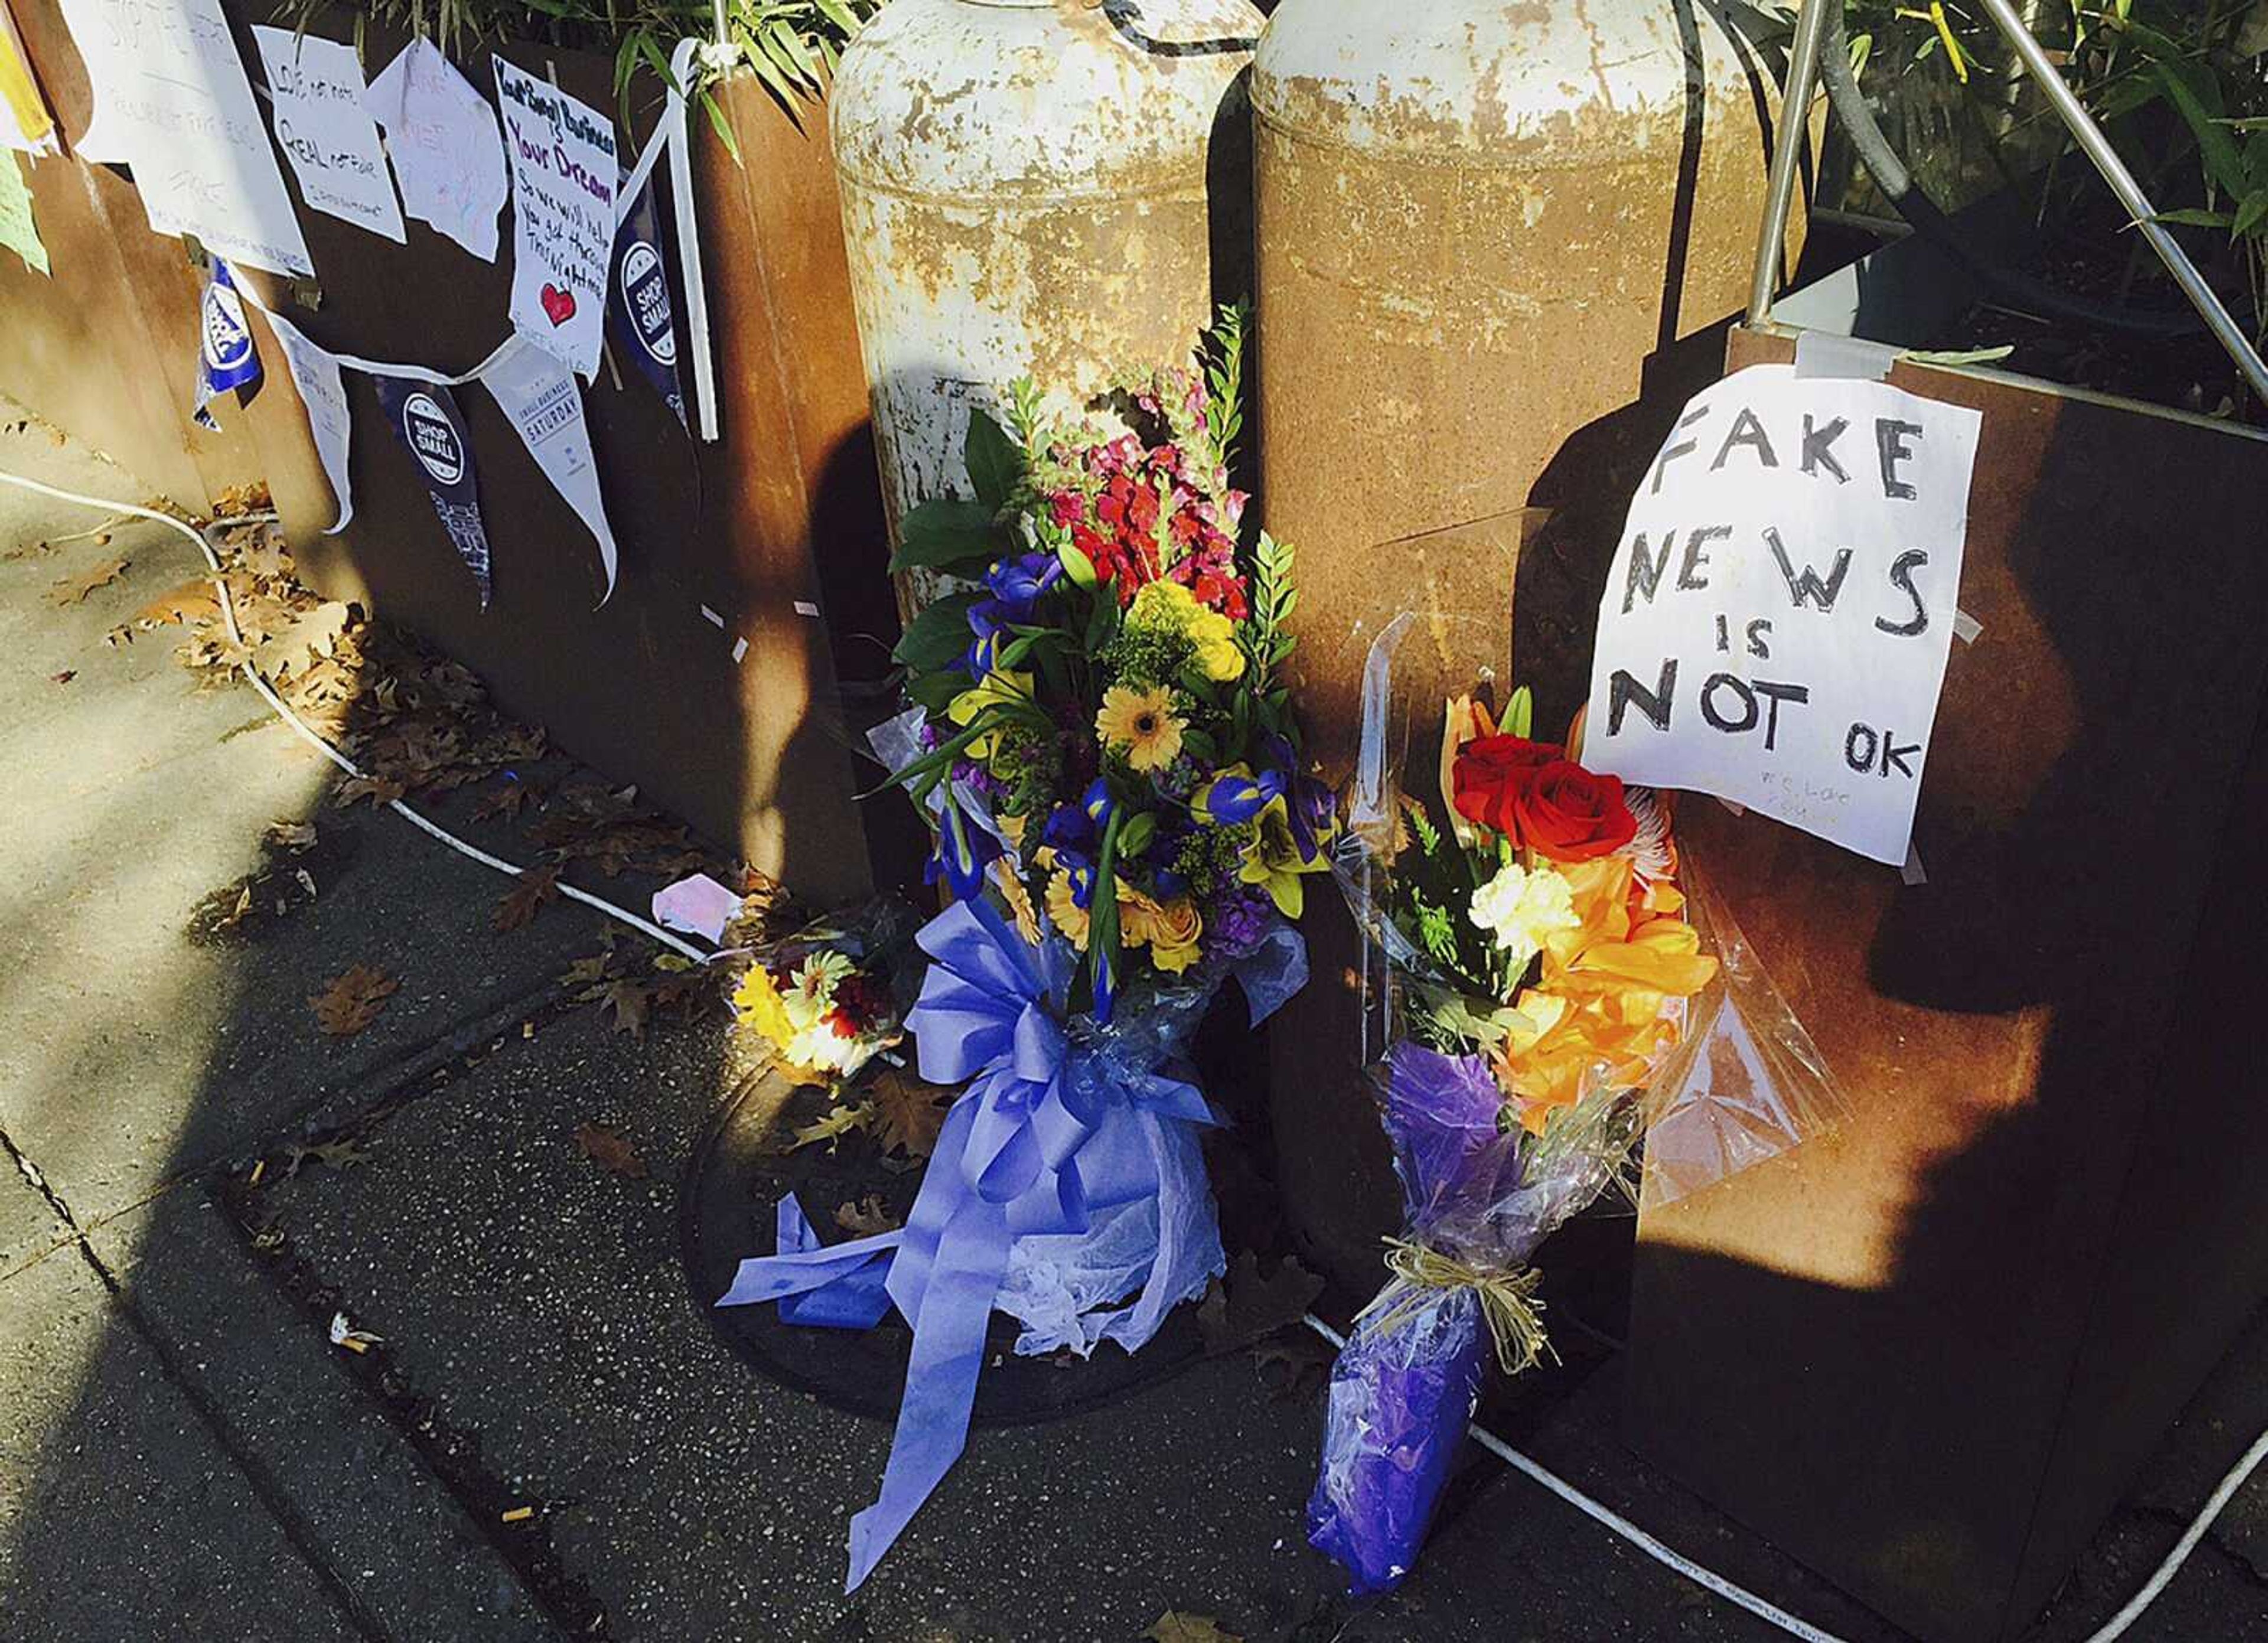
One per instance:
(1070, 918)
(759, 1002)
(1143, 722)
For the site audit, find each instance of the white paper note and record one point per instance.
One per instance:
(315, 373)
(172, 102)
(542, 398)
(564, 170)
(1776, 626)
(18, 229)
(325, 131)
(443, 139)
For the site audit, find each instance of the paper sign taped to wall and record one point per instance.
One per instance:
(564, 171)
(172, 102)
(324, 129)
(18, 229)
(447, 155)
(1776, 626)
(545, 404)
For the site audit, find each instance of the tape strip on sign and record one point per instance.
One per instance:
(1822, 354)
(1966, 627)
(1911, 871)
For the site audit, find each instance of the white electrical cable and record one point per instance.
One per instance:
(228, 617)
(1709, 1581)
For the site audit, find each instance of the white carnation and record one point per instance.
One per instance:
(1522, 907)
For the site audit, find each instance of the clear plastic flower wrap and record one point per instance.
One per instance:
(1543, 991)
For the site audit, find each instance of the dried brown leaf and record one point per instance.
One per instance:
(378, 789)
(610, 1152)
(529, 892)
(353, 1000)
(631, 1002)
(296, 836)
(503, 800)
(1173, 1626)
(868, 1216)
(72, 589)
(1252, 1305)
(303, 638)
(909, 1113)
(192, 601)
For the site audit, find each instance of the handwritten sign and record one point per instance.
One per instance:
(564, 171)
(172, 102)
(18, 231)
(447, 155)
(324, 130)
(1776, 623)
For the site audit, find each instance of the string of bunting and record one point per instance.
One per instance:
(530, 374)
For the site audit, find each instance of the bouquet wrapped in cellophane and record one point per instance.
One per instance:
(1103, 744)
(1545, 994)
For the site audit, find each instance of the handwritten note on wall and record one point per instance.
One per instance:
(325, 131)
(172, 102)
(564, 171)
(18, 231)
(1776, 627)
(442, 138)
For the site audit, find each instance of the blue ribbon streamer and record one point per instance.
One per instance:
(1055, 1124)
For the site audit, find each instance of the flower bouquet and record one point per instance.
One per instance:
(1540, 974)
(1102, 741)
(828, 999)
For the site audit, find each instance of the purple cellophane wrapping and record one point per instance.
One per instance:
(1402, 1396)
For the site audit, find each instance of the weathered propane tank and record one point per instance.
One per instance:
(1484, 227)
(1035, 187)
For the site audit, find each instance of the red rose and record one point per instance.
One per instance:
(1568, 814)
(1491, 775)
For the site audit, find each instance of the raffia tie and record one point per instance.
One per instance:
(1508, 1299)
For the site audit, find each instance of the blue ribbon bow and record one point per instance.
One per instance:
(1055, 1125)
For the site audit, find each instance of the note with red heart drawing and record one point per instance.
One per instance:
(563, 154)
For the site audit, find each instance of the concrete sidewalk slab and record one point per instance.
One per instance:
(131, 1052)
(29, 1225)
(120, 1516)
(414, 1565)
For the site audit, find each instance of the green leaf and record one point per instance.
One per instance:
(1078, 567)
(1136, 835)
(939, 635)
(2192, 89)
(935, 691)
(2190, 217)
(2251, 214)
(946, 536)
(996, 464)
(1520, 713)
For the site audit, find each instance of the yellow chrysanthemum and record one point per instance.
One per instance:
(759, 1003)
(1170, 607)
(1142, 722)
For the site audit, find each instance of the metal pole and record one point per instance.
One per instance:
(2098, 147)
(1787, 154)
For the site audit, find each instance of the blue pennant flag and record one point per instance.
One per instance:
(425, 418)
(640, 314)
(225, 356)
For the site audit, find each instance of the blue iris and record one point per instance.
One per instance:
(1233, 800)
(963, 852)
(1018, 585)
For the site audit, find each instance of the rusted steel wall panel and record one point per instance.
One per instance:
(106, 348)
(1925, 1354)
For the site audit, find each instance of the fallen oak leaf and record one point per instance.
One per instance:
(72, 589)
(353, 1000)
(832, 1126)
(341, 1152)
(1250, 1306)
(631, 1003)
(612, 1153)
(528, 894)
(1301, 1363)
(506, 801)
(911, 1113)
(377, 789)
(296, 836)
(866, 1217)
(1173, 1626)
(192, 601)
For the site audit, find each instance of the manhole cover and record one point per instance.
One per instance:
(732, 1187)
